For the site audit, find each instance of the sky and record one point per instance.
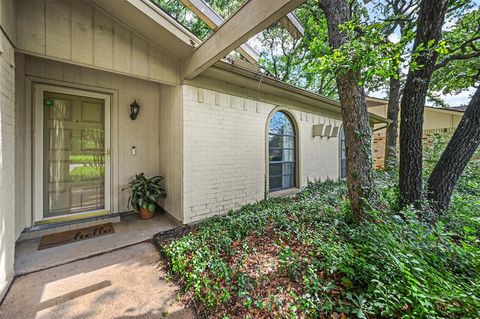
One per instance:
(459, 99)
(463, 98)
(453, 100)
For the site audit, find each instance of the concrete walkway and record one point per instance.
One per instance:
(125, 283)
(131, 230)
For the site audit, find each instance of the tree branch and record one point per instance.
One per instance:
(456, 57)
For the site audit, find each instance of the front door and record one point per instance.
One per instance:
(75, 152)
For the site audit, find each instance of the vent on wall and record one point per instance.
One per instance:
(318, 130)
(335, 131)
(200, 95)
(328, 130)
(323, 130)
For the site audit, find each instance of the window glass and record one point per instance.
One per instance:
(281, 151)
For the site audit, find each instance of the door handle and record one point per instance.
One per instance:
(107, 153)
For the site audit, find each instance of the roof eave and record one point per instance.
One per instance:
(374, 102)
(150, 21)
(299, 94)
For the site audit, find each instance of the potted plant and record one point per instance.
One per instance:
(145, 194)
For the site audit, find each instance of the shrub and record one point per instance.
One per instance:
(304, 257)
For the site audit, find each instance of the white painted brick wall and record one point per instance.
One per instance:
(224, 151)
(7, 163)
(319, 156)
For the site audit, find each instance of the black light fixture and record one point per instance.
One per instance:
(134, 110)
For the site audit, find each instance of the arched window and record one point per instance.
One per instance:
(281, 152)
(343, 154)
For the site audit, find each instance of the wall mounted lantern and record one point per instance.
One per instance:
(134, 110)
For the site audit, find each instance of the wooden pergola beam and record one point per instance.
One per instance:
(293, 25)
(253, 17)
(202, 10)
(213, 20)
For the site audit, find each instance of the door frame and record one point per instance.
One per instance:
(38, 148)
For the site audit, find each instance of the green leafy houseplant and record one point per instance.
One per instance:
(145, 192)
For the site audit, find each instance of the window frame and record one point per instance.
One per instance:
(341, 133)
(295, 148)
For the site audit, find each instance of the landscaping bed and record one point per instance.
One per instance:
(304, 257)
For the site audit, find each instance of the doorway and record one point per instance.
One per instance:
(72, 153)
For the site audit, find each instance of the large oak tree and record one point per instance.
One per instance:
(354, 114)
(454, 159)
(430, 21)
(401, 14)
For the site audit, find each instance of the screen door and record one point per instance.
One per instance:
(74, 154)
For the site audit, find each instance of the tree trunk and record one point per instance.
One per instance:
(354, 116)
(454, 159)
(430, 21)
(392, 129)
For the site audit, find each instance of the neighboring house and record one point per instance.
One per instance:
(222, 136)
(436, 120)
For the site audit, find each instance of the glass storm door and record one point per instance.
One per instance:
(74, 154)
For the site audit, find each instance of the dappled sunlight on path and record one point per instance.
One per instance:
(126, 283)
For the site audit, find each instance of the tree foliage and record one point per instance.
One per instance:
(367, 51)
(454, 159)
(309, 63)
(189, 20)
(295, 60)
(458, 61)
(458, 66)
(281, 258)
(281, 56)
(349, 77)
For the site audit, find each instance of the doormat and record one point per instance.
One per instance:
(72, 236)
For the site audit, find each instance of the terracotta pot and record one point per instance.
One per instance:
(145, 213)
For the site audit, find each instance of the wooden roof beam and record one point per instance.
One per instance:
(293, 25)
(253, 17)
(213, 20)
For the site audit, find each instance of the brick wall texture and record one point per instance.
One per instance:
(7, 162)
(225, 151)
(379, 140)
